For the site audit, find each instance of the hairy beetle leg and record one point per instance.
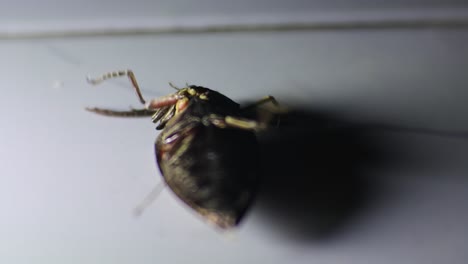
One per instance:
(163, 101)
(265, 114)
(249, 124)
(267, 99)
(116, 113)
(235, 122)
(115, 74)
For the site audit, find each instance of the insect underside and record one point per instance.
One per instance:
(207, 151)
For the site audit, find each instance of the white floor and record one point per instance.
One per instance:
(70, 179)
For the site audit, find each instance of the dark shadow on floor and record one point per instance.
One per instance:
(316, 173)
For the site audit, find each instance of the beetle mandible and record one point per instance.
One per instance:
(207, 151)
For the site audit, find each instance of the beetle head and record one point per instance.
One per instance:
(168, 106)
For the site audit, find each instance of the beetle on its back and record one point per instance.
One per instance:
(207, 151)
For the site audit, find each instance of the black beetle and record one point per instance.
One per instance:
(207, 151)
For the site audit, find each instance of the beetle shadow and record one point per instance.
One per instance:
(315, 173)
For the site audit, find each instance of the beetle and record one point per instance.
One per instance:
(207, 151)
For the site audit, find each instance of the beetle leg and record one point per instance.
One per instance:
(235, 122)
(116, 74)
(149, 199)
(265, 114)
(264, 100)
(243, 123)
(163, 101)
(116, 113)
(163, 120)
(159, 113)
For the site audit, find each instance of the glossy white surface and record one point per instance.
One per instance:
(70, 179)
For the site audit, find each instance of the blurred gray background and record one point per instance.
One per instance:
(371, 168)
(29, 17)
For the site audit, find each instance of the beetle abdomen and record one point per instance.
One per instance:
(211, 169)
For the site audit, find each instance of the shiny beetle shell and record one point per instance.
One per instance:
(212, 169)
(207, 151)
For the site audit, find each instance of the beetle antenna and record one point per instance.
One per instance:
(115, 74)
(149, 199)
(173, 86)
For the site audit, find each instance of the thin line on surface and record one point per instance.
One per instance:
(312, 26)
